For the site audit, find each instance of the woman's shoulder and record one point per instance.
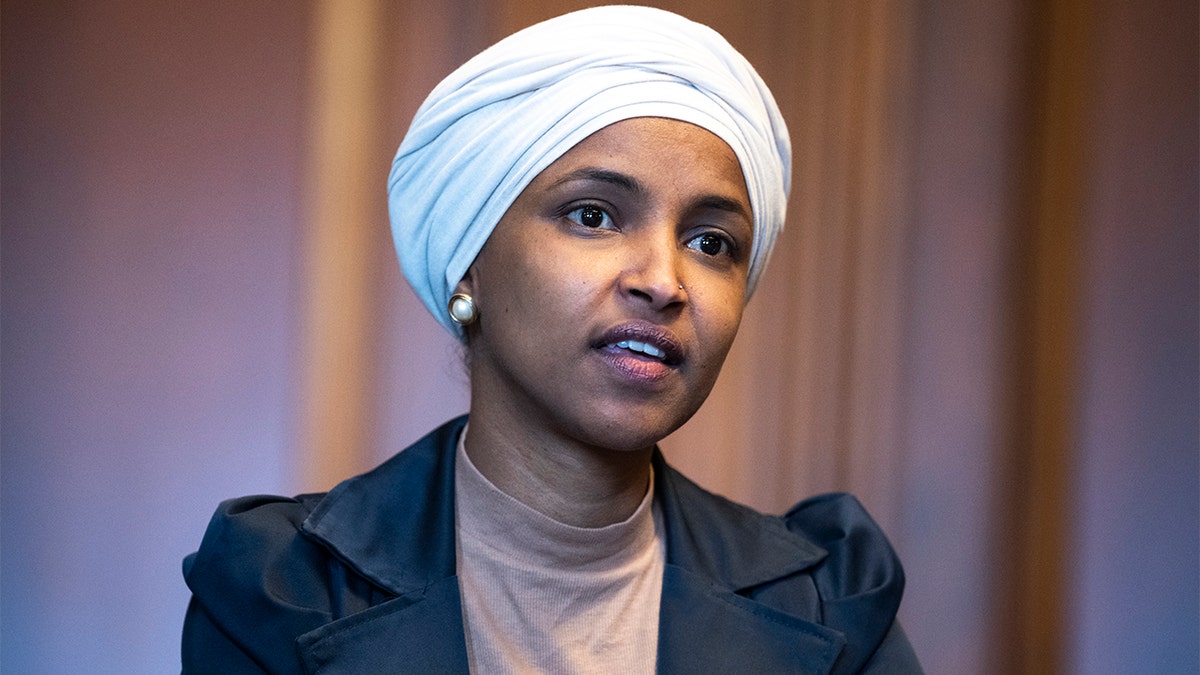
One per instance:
(258, 519)
(859, 555)
(250, 527)
(254, 550)
(253, 568)
(860, 581)
(257, 568)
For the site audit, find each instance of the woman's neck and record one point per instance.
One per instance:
(556, 475)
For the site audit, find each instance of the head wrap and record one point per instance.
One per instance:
(494, 124)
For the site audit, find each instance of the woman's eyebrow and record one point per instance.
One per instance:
(609, 176)
(720, 203)
(631, 184)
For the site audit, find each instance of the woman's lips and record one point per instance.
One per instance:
(641, 350)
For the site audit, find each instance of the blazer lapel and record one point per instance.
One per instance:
(421, 632)
(705, 629)
(395, 527)
(720, 557)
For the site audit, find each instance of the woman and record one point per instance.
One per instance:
(587, 205)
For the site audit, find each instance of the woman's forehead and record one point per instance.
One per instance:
(644, 144)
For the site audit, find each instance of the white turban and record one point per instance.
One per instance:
(494, 124)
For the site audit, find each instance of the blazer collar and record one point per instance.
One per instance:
(413, 493)
(394, 525)
(735, 546)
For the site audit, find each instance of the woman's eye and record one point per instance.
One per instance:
(711, 244)
(592, 217)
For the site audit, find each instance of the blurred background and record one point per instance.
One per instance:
(982, 317)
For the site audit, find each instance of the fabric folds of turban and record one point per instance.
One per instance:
(491, 126)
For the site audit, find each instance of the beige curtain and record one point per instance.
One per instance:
(982, 318)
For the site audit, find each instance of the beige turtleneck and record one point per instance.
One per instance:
(542, 596)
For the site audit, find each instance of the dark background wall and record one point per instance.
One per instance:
(983, 317)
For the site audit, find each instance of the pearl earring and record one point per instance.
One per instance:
(462, 309)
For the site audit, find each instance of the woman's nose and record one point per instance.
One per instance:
(652, 272)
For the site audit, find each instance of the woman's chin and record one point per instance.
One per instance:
(629, 433)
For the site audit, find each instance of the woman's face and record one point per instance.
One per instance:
(611, 290)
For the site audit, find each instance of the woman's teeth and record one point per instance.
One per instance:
(641, 348)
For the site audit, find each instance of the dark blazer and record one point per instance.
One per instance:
(362, 580)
